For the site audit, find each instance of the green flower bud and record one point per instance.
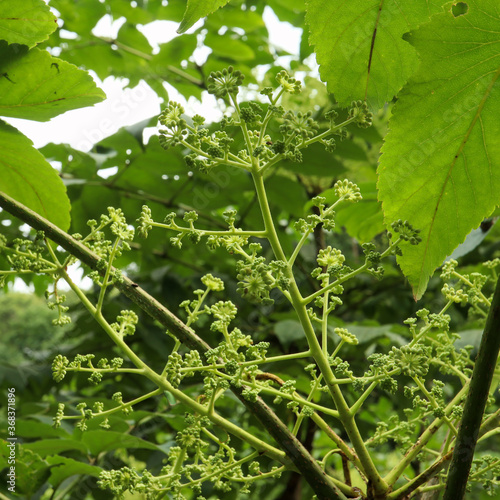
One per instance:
(227, 81)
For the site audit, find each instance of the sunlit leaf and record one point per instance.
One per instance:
(196, 9)
(26, 176)
(28, 22)
(440, 167)
(37, 86)
(359, 45)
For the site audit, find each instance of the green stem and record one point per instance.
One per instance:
(165, 385)
(272, 359)
(411, 486)
(156, 392)
(433, 402)
(243, 127)
(301, 417)
(205, 155)
(265, 389)
(324, 329)
(298, 247)
(149, 57)
(475, 403)
(177, 467)
(307, 143)
(257, 234)
(471, 285)
(105, 281)
(431, 430)
(105, 370)
(357, 405)
(298, 303)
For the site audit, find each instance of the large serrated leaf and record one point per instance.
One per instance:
(26, 176)
(196, 9)
(359, 45)
(440, 167)
(28, 22)
(36, 86)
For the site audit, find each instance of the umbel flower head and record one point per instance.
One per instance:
(171, 118)
(227, 81)
(330, 257)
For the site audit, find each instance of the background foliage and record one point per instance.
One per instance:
(440, 153)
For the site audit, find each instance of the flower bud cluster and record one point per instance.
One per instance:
(227, 81)
(287, 83)
(256, 278)
(406, 232)
(128, 479)
(359, 110)
(125, 323)
(61, 365)
(121, 231)
(25, 254)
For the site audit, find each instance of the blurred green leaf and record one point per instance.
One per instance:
(63, 467)
(362, 220)
(45, 447)
(80, 16)
(28, 22)
(31, 471)
(288, 331)
(229, 46)
(172, 53)
(196, 9)
(99, 441)
(27, 177)
(286, 194)
(29, 428)
(235, 18)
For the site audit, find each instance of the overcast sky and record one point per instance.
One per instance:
(83, 127)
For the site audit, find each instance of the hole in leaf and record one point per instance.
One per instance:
(459, 9)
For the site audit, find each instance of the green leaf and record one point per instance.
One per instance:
(45, 447)
(31, 471)
(359, 45)
(26, 176)
(82, 17)
(99, 441)
(130, 36)
(362, 220)
(286, 194)
(174, 52)
(137, 12)
(440, 164)
(235, 17)
(30, 428)
(63, 467)
(28, 22)
(316, 161)
(37, 86)
(196, 9)
(229, 46)
(288, 331)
